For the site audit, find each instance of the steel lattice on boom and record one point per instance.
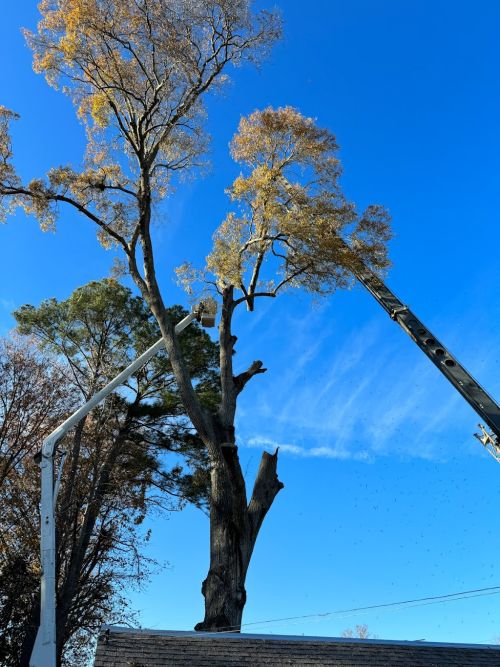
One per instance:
(460, 378)
(440, 356)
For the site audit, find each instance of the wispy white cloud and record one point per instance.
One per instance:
(305, 452)
(375, 394)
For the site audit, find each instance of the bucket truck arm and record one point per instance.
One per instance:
(460, 378)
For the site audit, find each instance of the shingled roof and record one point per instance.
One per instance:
(123, 647)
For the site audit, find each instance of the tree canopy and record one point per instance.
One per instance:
(293, 225)
(136, 72)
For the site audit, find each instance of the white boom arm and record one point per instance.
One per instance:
(44, 650)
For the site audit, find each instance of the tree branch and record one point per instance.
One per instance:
(241, 380)
(52, 196)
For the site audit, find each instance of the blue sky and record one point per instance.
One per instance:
(387, 495)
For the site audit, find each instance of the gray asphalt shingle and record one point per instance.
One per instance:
(123, 647)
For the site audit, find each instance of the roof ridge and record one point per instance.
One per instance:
(298, 638)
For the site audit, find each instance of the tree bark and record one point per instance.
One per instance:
(234, 523)
(234, 527)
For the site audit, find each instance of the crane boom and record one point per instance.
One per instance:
(449, 366)
(460, 378)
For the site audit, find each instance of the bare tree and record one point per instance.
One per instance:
(24, 419)
(34, 399)
(360, 632)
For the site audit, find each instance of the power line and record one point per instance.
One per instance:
(417, 602)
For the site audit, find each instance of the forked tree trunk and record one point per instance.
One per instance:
(234, 527)
(224, 587)
(234, 522)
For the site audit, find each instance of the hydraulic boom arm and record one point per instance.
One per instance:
(459, 377)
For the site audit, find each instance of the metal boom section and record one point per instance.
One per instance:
(460, 378)
(452, 369)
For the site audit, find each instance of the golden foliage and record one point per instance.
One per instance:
(137, 72)
(139, 67)
(32, 198)
(295, 228)
(7, 173)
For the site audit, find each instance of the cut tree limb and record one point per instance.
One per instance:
(266, 488)
(241, 379)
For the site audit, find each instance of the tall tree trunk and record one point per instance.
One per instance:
(224, 587)
(234, 523)
(234, 527)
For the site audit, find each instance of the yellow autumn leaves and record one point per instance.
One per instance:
(293, 221)
(137, 73)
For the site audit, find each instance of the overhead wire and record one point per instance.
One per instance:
(416, 602)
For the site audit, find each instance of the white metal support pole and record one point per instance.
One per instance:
(45, 647)
(44, 650)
